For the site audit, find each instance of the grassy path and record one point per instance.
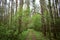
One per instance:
(31, 35)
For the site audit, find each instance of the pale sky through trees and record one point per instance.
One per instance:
(37, 3)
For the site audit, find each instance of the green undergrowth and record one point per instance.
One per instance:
(39, 35)
(23, 35)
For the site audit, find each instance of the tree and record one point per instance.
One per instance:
(16, 4)
(20, 17)
(43, 6)
(33, 1)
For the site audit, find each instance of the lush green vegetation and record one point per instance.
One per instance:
(27, 25)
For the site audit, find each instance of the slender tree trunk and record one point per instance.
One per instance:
(54, 29)
(56, 3)
(20, 18)
(51, 18)
(42, 3)
(34, 6)
(27, 12)
(16, 4)
(12, 10)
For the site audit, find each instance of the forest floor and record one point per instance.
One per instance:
(31, 34)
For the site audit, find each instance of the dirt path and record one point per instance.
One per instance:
(31, 35)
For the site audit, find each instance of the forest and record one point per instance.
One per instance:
(29, 19)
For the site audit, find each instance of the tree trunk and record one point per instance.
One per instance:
(20, 18)
(43, 6)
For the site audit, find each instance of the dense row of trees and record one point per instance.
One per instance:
(16, 18)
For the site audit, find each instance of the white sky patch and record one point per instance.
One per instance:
(46, 2)
(7, 1)
(37, 2)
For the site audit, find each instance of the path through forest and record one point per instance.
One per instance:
(31, 35)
